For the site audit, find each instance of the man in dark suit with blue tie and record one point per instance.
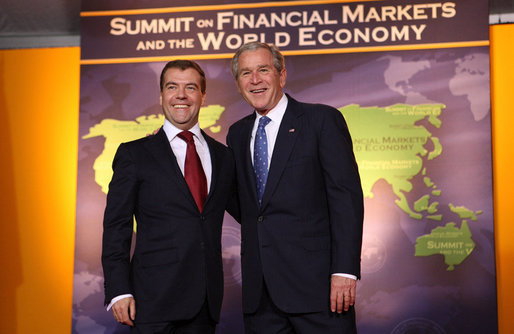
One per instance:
(177, 184)
(301, 205)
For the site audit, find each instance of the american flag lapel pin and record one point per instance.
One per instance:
(291, 130)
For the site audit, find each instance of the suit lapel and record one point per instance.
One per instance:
(160, 148)
(247, 155)
(215, 163)
(286, 138)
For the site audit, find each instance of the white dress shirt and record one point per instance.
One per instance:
(276, 114)
(179, 147)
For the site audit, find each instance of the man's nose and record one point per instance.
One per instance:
(181, 93)
(255, 78)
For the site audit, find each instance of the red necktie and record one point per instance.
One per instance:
(193, 171)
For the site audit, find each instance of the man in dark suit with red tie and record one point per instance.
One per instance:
(301, 205)
(177, 184)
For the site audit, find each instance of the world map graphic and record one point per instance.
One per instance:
(394, 153)
(420, 127)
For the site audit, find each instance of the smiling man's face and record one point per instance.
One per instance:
(182, 97)
(258, 80)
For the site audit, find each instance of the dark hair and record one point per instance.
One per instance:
(184, 64)
(278, 58)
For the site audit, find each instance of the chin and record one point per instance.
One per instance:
(259, 106)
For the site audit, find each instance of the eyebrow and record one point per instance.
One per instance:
(258, 67)
(176, 84)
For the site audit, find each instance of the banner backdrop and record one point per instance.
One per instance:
(411, 79)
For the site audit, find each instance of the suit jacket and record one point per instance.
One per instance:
(310, 222)
(177, 263)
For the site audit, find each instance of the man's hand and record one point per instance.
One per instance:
(342, 293)
(124, 311)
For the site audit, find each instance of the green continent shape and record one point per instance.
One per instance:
(438, 149)
(209, 116)
(116, 132)
(428, 182)
(436, 192)
(389, 145)
(453, 243)
(422, 203)
(432, 208)
(463, 212)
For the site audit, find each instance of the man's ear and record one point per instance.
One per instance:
(283, 77)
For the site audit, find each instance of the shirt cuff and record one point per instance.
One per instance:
(115, 299)
(345, 275)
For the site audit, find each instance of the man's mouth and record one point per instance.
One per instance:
(256, 91)
(180, 106)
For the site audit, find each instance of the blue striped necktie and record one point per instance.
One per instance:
(260, 156)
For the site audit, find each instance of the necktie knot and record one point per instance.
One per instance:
(186, 136)
(264, 121)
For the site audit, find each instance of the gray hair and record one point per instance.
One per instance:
(278, 58)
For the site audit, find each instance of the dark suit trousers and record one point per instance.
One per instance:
(202, 323)
(268, 319)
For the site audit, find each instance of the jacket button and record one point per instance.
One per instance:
(260, 219)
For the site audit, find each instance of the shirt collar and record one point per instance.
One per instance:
(172, 131)
(277, 113)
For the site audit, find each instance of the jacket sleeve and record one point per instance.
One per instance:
(118, 225)
(233, 207)
(344, 193)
